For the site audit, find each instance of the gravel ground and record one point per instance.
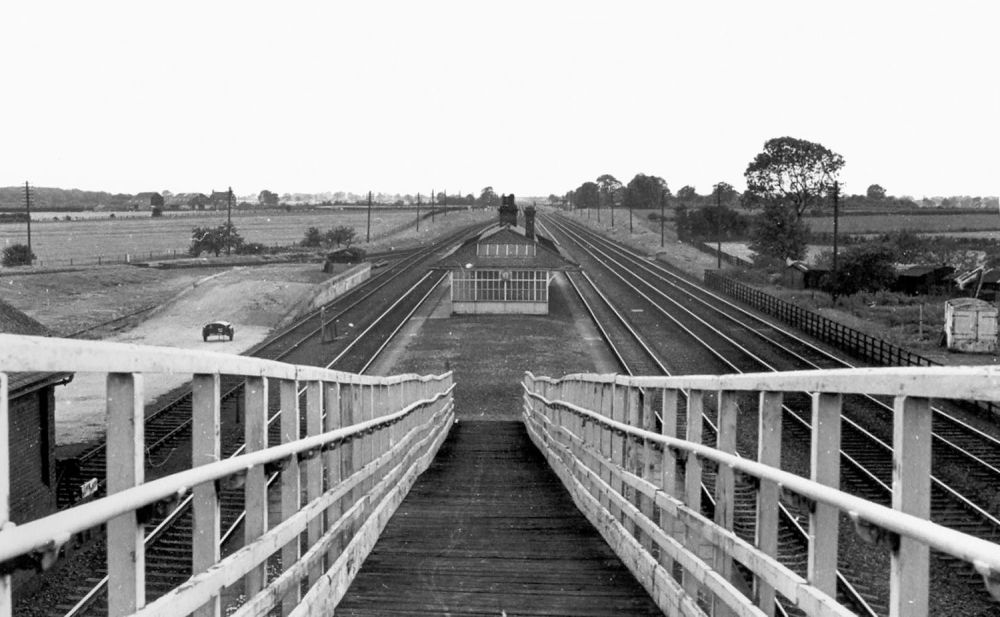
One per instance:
(490, 353)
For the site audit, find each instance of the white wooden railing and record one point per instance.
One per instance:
(366, 439)
(618, 456)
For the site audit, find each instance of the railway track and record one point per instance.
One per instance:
(636, 357)
(378, 308)
(743, 342)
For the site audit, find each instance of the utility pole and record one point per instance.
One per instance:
(718, 226)
(229, 220)
(836, 213)
(630, 206)
(369, 234)
(418, 211)
(611, 202)
(27, 208)
(663, 201)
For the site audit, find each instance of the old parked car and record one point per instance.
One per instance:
(218, 328)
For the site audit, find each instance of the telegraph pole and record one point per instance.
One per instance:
(663, 201)
(229, 220)
(27, 208)
(836, 213)
(718, 226)
(418, 211)
(369, 234)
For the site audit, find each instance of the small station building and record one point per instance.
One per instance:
(505, 269)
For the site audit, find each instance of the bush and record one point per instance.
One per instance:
(157, 211)
(253, 248)
(18, 255)
(312, 238)
(865, 268)
(215, 240)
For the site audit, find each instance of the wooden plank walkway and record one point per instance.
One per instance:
(490, 530)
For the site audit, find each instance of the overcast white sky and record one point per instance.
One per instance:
(528, 97)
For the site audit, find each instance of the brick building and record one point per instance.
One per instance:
(31, 424)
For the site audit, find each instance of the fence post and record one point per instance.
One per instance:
(331, 421)
(668, 467)
(205, 449)
(290, 483)
(825, 469)
(314, 469)
(125, 469)
(692, 483)
(255, 489)
(6, 600)
(911, 493)
(725, 489)
(769, 420)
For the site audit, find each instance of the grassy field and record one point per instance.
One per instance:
(880, 224)
(84, 241)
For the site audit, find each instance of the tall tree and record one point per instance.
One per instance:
(645, 192)
(793, 172)
(609, 186)
(487, 197)
(876, 192)
(778, 233)
(687, 194)
(587, 195)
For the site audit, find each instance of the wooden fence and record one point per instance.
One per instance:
(639, 481)
(351, 447)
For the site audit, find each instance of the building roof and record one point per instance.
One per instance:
(971, 303)
(547, 256)
(13, 321)
(921, 271)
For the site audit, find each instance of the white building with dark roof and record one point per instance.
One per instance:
(506, 269)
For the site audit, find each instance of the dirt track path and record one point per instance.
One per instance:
(254, 300)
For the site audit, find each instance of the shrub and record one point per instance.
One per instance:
(312, 238)
(17, 255)
(156, 211)
(253, 248)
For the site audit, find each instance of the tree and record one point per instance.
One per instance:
(487, 197)
(588, 195)
(214, 240)
(554, 199)
(876, 192)
(609, 187)
(792, 172)
(687, 194)
(268, 199)
(645, 191)
(778, 233)
(865, 268)
(17, 255)
(724, 193)
(340, 235)
(312, 238)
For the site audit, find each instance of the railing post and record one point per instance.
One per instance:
(290, 483)
(769, 419)
(314, 469)
(911, 493)
(125, 469)
(632, 455)
(692, 482)
(825, 469)
(6, 600)
(606, 437)
(668, 467)
(205, 448)
(255, 489)
(648, 462)
(331, 422)
(725, 489)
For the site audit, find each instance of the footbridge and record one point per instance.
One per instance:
(609, 498)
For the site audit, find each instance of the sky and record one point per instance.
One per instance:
(528, 97)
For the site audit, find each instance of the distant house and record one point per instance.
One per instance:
(924, 279)
(800, 275)
(197, 201)
(148, 200)
(989, 289)
(218, 200)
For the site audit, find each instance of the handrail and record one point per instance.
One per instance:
(21, 353)
(985, 556)
(51, 532)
